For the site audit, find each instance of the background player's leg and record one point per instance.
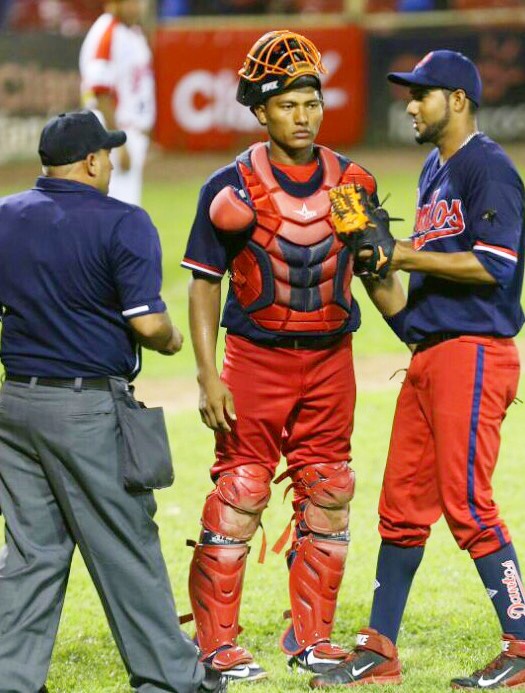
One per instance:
(127, 185)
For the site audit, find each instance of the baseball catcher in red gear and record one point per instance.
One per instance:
(287, 386)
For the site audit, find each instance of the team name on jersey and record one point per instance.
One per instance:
(437, 219)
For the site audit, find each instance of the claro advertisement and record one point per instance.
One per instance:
(197, 82)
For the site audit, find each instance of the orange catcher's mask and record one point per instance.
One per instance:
(275, 62)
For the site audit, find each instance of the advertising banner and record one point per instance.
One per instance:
(499, 55)
(197, 81)
(38, 78)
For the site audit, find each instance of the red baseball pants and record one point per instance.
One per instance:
(445, 443)
(295, 402)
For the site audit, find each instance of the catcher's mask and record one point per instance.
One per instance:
(275, 62)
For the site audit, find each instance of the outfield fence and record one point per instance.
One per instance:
(196, 62)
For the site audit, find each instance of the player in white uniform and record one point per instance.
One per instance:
(117, 81)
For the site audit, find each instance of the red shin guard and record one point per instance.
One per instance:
(215, 585)
(315, 578)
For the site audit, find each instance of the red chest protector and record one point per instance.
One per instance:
(293, 276)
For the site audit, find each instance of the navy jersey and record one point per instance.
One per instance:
(76, 265)
(473, 202)
(209, 252)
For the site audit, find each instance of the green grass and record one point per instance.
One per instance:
(449, 628)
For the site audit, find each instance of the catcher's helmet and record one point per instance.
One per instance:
(275, 62)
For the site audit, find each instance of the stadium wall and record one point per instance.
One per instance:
(196, 64)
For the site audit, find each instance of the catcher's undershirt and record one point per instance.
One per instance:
(473, 202)
(209, 253)
(76, 266)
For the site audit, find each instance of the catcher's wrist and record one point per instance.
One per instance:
(204, 376)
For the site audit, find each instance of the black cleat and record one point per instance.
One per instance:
(506, 671)
(374, 660)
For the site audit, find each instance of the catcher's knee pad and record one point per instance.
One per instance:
(235, 506)
(323, 492)
(215, 585)
(315, 578)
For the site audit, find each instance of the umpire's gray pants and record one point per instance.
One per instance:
(61, 486)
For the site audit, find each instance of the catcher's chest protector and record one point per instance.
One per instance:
(293, 275)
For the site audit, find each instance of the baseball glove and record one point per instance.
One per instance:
(362, 226)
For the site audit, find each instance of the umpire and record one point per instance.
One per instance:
(80, 285)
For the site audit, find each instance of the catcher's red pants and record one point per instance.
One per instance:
(295, 402)
(445, 442)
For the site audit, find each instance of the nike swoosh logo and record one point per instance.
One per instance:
(483, 682)
(358, 672)
(238, 672)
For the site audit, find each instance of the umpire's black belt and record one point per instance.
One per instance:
(321, 342)
(71, 383)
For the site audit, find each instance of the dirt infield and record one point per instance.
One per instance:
(373, 374)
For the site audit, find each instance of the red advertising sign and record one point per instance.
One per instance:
(197, 81)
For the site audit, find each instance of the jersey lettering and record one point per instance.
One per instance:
(438, 219)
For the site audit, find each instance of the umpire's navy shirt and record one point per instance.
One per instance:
(74, 266)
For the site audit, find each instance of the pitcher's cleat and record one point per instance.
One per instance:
(506, 671)
(236, 664)
(317, 658)
(374, 660)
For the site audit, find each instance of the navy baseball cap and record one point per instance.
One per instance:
(70, 137)
(443, 69)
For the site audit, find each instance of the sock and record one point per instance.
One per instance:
(396, 567)
(500, 573)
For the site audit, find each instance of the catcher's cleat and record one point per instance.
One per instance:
(213, 682)
(236, 664)
(507, 670)
(317, 658)
(374, 660)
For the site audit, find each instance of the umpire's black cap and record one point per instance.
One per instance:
(70, 137)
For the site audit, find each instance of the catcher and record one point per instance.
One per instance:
(287, 386)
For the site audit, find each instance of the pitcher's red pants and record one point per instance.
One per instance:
(445, 443)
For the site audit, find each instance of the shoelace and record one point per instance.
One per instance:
(497, 663)
(352, 655)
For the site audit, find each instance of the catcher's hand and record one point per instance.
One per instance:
(364, 228)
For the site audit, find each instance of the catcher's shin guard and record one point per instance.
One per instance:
(215, 585)
(316, 572)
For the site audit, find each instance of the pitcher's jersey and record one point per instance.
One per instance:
(473, 202)
(116, 58)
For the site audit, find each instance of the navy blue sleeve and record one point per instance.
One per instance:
(495, 211)
(207, 249)
(136, 258)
